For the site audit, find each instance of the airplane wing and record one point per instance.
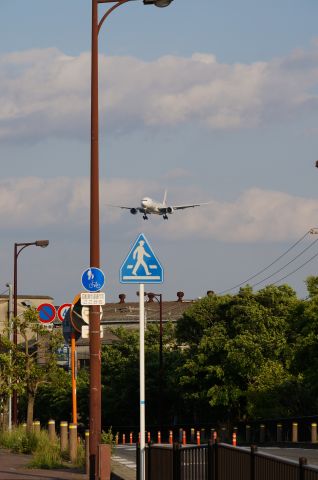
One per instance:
(182, 207)
(124, 207)
(133, 210)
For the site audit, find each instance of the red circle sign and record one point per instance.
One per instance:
(47, 312)
(61, 312)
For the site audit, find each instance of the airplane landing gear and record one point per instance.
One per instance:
(165, 217)
(145, 217)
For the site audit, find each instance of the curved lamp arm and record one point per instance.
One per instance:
(102, 20)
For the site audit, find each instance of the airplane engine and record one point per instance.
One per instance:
(133, 211)
(170, 210)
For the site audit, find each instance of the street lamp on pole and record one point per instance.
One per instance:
(18, 247)
(94, 318)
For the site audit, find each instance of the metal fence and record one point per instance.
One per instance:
(220, 462)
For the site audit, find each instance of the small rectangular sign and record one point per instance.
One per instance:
(85, 331)
(93, 298)
(48, 326)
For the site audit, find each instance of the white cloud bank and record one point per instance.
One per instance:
(44, 93)
(256, 215)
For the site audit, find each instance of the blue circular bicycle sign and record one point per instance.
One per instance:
(93, 279)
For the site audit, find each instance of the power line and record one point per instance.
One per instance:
(286, 265)
(296, 270)
(268, 266)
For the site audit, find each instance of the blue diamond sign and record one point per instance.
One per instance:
(141, 264)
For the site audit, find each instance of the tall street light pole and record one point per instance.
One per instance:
(18, 247)
(94, 318)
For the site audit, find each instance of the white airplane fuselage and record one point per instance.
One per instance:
(151, 206)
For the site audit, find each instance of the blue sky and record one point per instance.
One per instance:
(215, 101)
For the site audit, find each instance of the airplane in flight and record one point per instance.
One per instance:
(149, 206)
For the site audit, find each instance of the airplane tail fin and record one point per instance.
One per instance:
(165, 197)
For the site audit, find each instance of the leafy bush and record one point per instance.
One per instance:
(47, 454)
(18, 440)
(109, 438)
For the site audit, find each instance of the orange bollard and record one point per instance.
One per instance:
(184, 437)
(130, 438)
(159, 437)
(149, 437)
(234, 439)
(198, 438)
(116, 439)
(215, 436)
(170, 437)
(124, 439)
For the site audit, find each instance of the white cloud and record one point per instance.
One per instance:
(44, 93)
(256, 215)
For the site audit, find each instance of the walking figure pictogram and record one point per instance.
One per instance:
(140, 253)
(90, 274)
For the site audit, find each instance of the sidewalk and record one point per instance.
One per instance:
(14, 467)
(120, 472)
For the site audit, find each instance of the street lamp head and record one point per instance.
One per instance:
(158, 3)
(26, 303)
(42, 243)
(151, 296)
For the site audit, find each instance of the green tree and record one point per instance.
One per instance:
(120, 377)
(312, 285)
(34, 359)
(229, 342)
(5, 379)
(304, 361)
(54, 398)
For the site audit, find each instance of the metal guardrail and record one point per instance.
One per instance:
(214, 461)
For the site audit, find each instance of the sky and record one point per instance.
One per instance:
(215, 101)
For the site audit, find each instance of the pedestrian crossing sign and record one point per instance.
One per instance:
(141, 264)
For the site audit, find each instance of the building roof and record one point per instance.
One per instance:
(34, 297)
(127, 314)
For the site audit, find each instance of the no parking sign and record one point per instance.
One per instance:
(47, 313)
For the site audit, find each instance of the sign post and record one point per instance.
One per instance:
(142, 379)
(141, 266)
(73, 370)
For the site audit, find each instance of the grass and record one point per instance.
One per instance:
(18, 440)
(45, 453)
(80, 459)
